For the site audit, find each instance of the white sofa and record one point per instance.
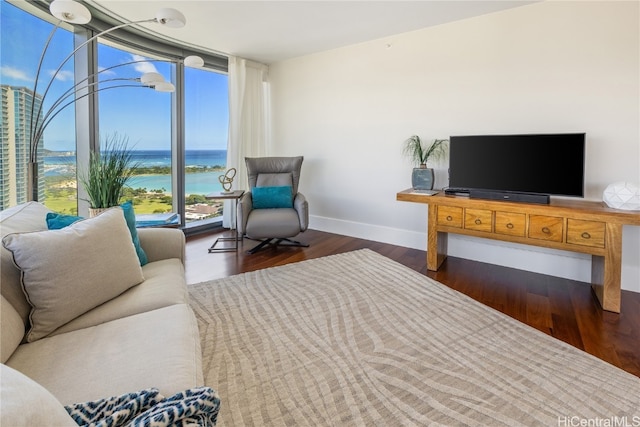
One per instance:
(145, 337)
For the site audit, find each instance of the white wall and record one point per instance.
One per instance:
(546, 67)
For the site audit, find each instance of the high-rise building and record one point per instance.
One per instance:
(15, 129)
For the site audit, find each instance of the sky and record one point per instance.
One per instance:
(140, 114)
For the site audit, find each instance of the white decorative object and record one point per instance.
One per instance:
(622, 195)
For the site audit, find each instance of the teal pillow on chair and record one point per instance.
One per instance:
(130, 217)
(56, 221)
(272, 197)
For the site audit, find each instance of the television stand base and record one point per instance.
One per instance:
(541, 199)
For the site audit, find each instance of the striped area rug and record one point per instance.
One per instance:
(357, 339)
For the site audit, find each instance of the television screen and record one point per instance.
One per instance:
(549, 164)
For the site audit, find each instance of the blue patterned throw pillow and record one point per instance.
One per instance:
(272, 197)
(193, 407)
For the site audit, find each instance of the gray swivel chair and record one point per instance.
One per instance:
(273, 210)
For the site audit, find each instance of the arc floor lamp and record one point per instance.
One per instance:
(76, 13)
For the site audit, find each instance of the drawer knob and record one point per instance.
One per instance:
(586, 235)
(449, 218)
(477, 221)
(510, 226)
(546, 230)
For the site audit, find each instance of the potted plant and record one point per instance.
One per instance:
(422, 177)
(107, 174)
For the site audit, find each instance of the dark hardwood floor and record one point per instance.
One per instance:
(565, 309)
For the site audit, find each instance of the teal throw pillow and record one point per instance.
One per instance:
(272, 197)
(130, 217)
(56, 221)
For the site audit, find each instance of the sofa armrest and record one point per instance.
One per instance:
(162, 243)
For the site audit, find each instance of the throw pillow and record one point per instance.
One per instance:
(24, 402)
(67, 272)
(130, 217)
(56, 221)
(272, 197)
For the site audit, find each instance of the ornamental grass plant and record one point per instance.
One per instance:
(420, 153)
(108, 172)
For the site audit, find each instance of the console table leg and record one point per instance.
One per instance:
(606, 271)
(437, 242)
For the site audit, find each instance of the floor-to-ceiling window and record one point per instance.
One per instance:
(23, 38)
(206, 132)
(139, 117)
(149, 120)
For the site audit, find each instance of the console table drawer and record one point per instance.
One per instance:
(585, 233)
(510, 223)
(478, 219)
(450, 215)
(544, 227)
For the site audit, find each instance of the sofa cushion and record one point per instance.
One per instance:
(23, 402)
(164, 285)
(67, 272)
(18, 219)
(12, 329)
(159, 348)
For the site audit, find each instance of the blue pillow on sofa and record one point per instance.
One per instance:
(130, 217)
(272, 197)
(56, 221)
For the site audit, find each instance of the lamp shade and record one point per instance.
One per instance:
(193, 61)
(151, 79)
(70, 11)
(171, 18)
(164, 87)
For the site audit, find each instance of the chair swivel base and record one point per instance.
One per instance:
(273, 242)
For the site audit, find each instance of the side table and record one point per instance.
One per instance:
(232, 195)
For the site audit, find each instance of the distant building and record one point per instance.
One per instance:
(15, 128)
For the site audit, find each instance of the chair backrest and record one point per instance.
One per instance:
(274, 171)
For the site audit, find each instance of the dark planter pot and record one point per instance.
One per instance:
(422, 178)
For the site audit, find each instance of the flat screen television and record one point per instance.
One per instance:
(528, 168)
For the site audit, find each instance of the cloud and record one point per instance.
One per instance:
(14, 73)
(143, 67)
(63, 76)
(104, 71)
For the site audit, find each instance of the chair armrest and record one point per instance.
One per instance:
(301, 206)
(162, 243)
(245, 205)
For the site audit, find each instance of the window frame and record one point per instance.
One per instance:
(87, 112)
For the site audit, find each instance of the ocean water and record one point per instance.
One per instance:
(195, 183)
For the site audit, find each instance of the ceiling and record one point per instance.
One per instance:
(271, 31)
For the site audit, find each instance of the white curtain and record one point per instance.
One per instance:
(248, 122)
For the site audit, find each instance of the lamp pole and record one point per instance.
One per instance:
(76, 13)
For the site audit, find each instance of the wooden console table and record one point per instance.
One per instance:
(577, 226)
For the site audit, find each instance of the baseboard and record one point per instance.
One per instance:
(557, 263)
(378, 233)
(568, 265)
